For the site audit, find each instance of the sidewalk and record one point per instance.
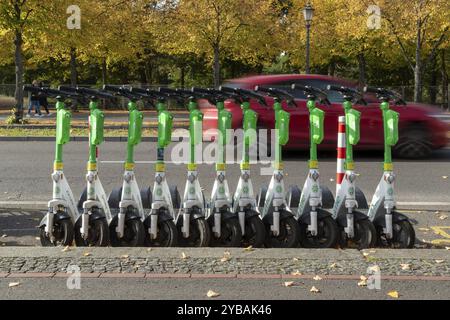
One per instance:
(222, 262)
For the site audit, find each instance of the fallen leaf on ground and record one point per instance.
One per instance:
(212, 294)
(66, 248)
(424, 229)
(393, 294)
(4, 235)
(444, 177)
(333, 265)
(295, 259)
(249, 248)
(363, 282)
(365, 254)
(289, 283)
(125, 256)
(405, 266)
(439, 261)
(184, 256)
(314, 290)
(13, 284)
(37, 238)
(226, 256)
(317, 278)
(296, 273)
(443, 217)
(87, 254)
(447, 248)
(374, 268)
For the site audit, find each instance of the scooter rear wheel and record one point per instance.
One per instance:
(167, 235)
(133, 235)
(230, 235)
(199, 234)
(289, 236)
(327, 234)
(255, 232)
(98, 235)
(62, 231)
(365, 236)
(404, 236)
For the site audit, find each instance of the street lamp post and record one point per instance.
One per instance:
(308, 12)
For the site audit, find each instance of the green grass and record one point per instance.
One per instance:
(22, 132)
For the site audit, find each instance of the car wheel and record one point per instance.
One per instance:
(414, 143)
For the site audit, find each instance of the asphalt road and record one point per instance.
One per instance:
(26, 166)
(229, 289)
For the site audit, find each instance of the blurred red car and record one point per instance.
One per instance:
(420, 130)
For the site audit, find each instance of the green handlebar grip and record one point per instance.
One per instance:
(165, 123)
(282, 126)
(316, 119)
(135, 127)
(97, 120)
(250, 123)
(352, 120)
(196, 127)
(391, 127)
(63, 118)
(224, 126)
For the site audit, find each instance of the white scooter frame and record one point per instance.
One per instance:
(193, 197)
(311, 196)
(220, 197)
(383, 202)
(244, 197)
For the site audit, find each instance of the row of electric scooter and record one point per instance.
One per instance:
(277, 217)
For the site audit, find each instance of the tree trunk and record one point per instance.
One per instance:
(216, 65)
(432, 89)
(362, 69)
(183, 76)
(444, 77)
(104, 71)
(18, 57)
(73, 67)
(418, 67)
(332, 68)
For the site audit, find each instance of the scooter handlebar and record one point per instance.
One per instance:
(87, 92)
(345, 91)
(311, 91)
(48, 91)
(278, 93)
(245, 95)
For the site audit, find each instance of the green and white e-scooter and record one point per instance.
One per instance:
(165, 199)
(92, 229)
(244, 200)
(191, 220)
(318, 228)
(355, 226)
(126, 228)
(393, 228)
(56, 228)
(224, 224)
(282, 230)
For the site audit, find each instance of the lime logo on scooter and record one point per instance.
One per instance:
(192, 190)
(279, 189)
(315, 188)
(390, 191)
(127, 190)
(245, 190)
(159, 192)
(221, 190)
(351, 191)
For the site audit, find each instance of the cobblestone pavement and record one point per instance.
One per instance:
(434, 262)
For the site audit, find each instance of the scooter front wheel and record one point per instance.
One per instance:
(133, 234)
(230, 235)
(98, 234)
(199, 234)
(327, 234)
(255, 232)
(404, 236)
(289, 236)
(167, 235)
(365, 236)
(62, 231)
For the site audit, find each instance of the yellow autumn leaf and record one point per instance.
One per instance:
(13, 284)
(66, 248)
(288, 283)
(405, 266)
(393, 294)
(87, 254)
(439, 261)
(296, 273)
(184, 256)
(249, 248)
(314, 290)
(212, 294)
(317, 278)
